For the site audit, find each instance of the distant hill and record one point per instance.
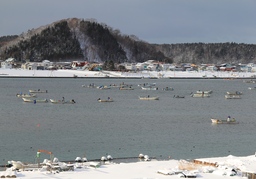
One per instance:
(79, 39)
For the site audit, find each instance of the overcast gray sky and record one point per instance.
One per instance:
(154, 21)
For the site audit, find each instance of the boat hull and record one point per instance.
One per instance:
(28, 100)
(219, 121)
(148, 98)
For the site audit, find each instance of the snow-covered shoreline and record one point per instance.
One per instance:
(210, 168)
(114, 74)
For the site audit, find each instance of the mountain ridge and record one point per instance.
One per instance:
(79, 39)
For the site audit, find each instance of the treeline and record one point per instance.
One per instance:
(216, 53)
(5, 39)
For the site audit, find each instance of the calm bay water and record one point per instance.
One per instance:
(179, 128)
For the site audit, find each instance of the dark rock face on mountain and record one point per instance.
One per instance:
(87, 40)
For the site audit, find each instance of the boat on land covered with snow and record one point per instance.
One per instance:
(149, 98)
(220, 121)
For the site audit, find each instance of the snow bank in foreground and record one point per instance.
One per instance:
(226, 167)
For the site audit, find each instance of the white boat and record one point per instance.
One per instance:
(38, 91)
(106, 100)
(126, 88)
(234, 93)
(103, 87)
(29, 100)
(26, 95)
(178, 96)
(234, 96)
(149, 98)
(147, 84)
(90, 85)
(205, 92)
(168, 89)
(149, 88)
(252, 88)
(200, 95)
(220, 121)
(54, 101)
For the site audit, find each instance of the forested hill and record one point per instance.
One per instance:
(203, 53)
(79, 39)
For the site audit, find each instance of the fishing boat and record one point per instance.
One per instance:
(252, 88)
(29, 100)
(126, 88)
(38, 91)
(54, 101)
(204, 92)
(26, 95)
(149, 88)
(234, 93)
(103, 87)
(220, 121)
(200, 95)
(168, 89)
(234, 96)
(149, 98)
(106, 100)
(178, 96)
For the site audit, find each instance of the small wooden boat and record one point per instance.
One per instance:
(219, 121)
(126, 88)
(38, 91)
(234, 96)
(26, 95)
(200, 95)
(54, 101)
(204, 92)
(149, 98)
(103, 87)
(149, 88)
(178, 96)
(234, 93)
(29, 100)
(168, 89)
(252, 88)
(106, 100)
(90, 86)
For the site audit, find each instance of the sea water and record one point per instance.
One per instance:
(178, 128)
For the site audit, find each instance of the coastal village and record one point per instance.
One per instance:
(150, 65)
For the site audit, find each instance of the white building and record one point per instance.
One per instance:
(7, 64)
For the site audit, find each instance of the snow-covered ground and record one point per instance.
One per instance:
(142, 74)
(224, 167)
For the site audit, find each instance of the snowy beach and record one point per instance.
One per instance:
(210, 168)
(114, 74)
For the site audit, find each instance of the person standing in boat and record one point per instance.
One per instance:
(228, 119)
